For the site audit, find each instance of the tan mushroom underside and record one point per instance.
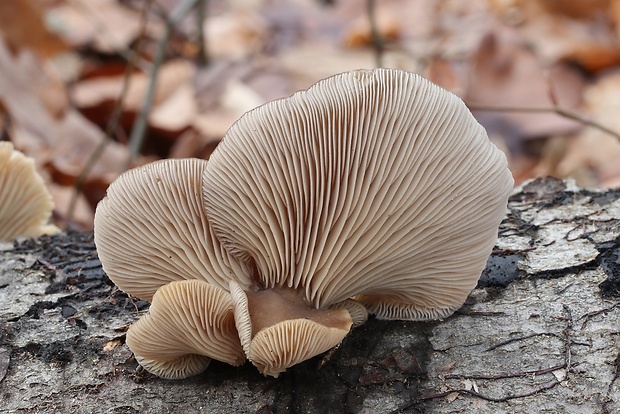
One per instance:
(372, 183)
(278, 329)
(189, 323)
(152, 228)
(25, 203)
(358, 312)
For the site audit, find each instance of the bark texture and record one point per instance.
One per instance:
(540, 333)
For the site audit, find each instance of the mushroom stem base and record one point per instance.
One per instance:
(278, 328)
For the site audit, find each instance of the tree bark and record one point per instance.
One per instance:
(540, 333)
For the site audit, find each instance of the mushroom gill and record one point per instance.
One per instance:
(371, 191)
(189, 323)
(152, 229)
(25, 203)
(374, 185)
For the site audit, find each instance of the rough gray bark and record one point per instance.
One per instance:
(539, 334)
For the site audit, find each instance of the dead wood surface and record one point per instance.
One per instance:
(539, 334)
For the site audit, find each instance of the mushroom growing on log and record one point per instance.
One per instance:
(25, 203)
(373, 189)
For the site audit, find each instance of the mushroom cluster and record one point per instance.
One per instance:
(374, 191)
(25, 203)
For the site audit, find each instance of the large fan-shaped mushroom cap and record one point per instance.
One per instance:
(151, 229)
(375, 184)
(25, 203)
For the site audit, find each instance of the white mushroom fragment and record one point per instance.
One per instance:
(189, 323)
(25, 203)
(377, 185)
(152, 228)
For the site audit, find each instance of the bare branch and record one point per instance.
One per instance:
(377, 42)
(566, 113)
(114, 120)
(138, 131)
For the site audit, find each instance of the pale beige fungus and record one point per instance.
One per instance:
(152, 228)
(25, 204)
(189, 323)
(371, 192)
(377, 185)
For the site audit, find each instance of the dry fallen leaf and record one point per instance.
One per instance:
(82, 215)
(97, 91)
(502, 66)
(358, 33)
(236, 35)
(177, 112)
(592, 156)
(22, 26)
(104, 25)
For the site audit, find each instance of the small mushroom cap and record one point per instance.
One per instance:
(358, 312)
(189, 323)
(152, 228)
(371, 183)
(25, 203)
(278, 329)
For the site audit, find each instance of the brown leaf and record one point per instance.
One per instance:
(23, 27)
(236, 35)
(592, 156)
(110, 345)
(177, 112)
(61, 141)
(191, 144)
(578, 9)
(507, 74)
(442, 72)
(96, 91)
(83, 214)
(105, 25)
(358, 33)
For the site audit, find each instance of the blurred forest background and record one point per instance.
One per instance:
(89, 88)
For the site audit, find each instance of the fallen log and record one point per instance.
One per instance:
(541, 332)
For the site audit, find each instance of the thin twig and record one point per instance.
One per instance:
(566, 113)
(377, 42)
(566, 365)
(103, 27)
(115, 117)
(567, 338)
(589, 315)
(478, 313)
(505, 375)
(511, 340)
(508, 397)
(136, 138)
(201, 14)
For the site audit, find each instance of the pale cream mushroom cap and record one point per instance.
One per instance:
(189, 323)
(279, 329)
(375, 184)
(151, 229)
(25, 203)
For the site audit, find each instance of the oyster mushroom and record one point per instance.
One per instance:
(189, 323)
(374, 185)
(371, 191)
(152, 229)
(25, 203)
